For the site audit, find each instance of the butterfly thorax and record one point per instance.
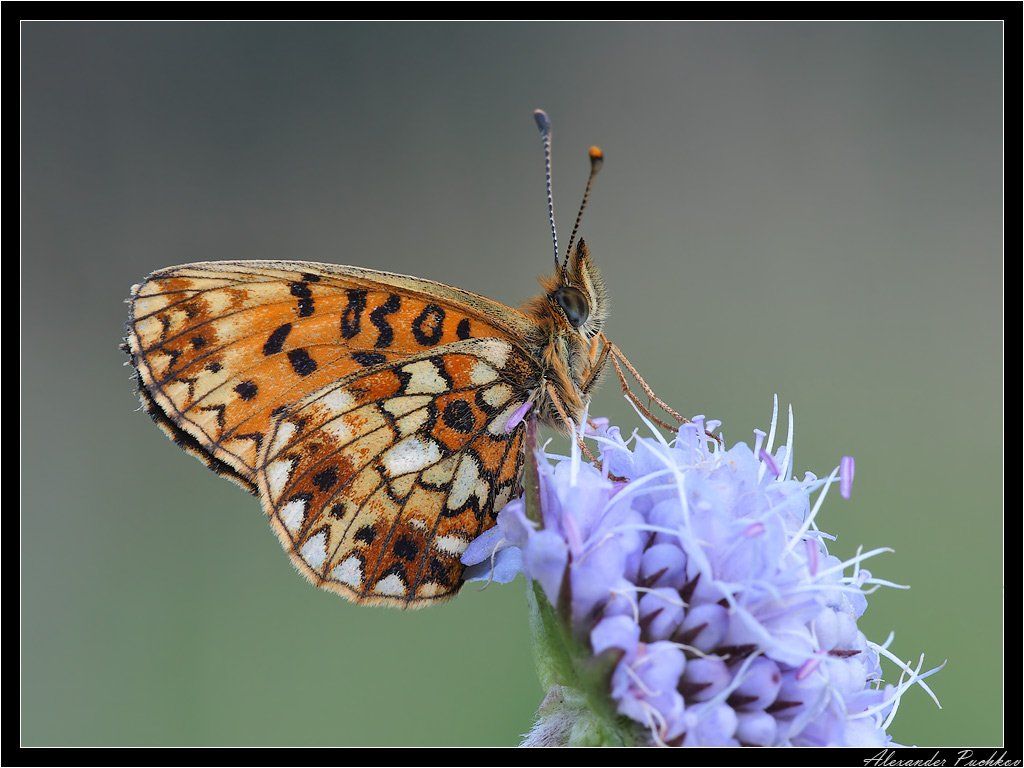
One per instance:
(569, 316)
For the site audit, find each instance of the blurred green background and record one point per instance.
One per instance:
(807, 209)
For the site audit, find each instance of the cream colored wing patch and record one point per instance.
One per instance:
(377, 483)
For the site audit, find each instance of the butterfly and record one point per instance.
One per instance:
(380, 418)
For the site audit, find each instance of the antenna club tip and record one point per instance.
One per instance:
(596, 158)
(543, 121)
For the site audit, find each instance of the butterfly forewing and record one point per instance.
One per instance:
(220, 346)
(233, 355)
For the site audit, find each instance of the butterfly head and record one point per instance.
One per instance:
(577, 294)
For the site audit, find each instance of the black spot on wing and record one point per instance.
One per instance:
(366, 534)
(428, 327)
(351, 318)
(326, 479)
(246, 390)
(462, 329)
(275, 342)
(437, 573)
(301, 362)
(302, 292)
(378, 317)
(369, 358)
(405, 548)
(459, 416)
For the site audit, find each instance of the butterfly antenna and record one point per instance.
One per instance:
(544, 125)
(596, 161)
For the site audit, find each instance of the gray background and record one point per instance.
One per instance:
(808, 209)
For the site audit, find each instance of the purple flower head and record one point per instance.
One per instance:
(701, 572)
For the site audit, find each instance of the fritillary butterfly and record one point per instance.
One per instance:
(378, 417)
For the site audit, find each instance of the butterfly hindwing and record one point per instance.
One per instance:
(221, 347)
(378, 482)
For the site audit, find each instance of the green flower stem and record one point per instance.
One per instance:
(577, 710)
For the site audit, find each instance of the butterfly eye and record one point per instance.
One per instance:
(573, 303)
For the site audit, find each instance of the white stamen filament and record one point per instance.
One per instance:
(653, 717)
(877, 582)
(679, 603)
(691, 649)
(494, 554)
(914, 678)
(789, 449)
(638, 681)
(814, 511)
(858, 558)
(771, 434)
(632, 602)
(906, 668)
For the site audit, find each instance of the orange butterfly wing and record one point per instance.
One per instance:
(377, 483)
(222, 348)
(220, 345)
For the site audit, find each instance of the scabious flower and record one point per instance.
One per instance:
(686, 594)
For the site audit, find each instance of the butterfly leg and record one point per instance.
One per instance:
(597, 347)
(618, 357)
(600, 350)
(556, 401)
(636, 400)
(617, 353)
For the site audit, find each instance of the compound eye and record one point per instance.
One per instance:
(574, 304)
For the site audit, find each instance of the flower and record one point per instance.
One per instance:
(699, 575)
